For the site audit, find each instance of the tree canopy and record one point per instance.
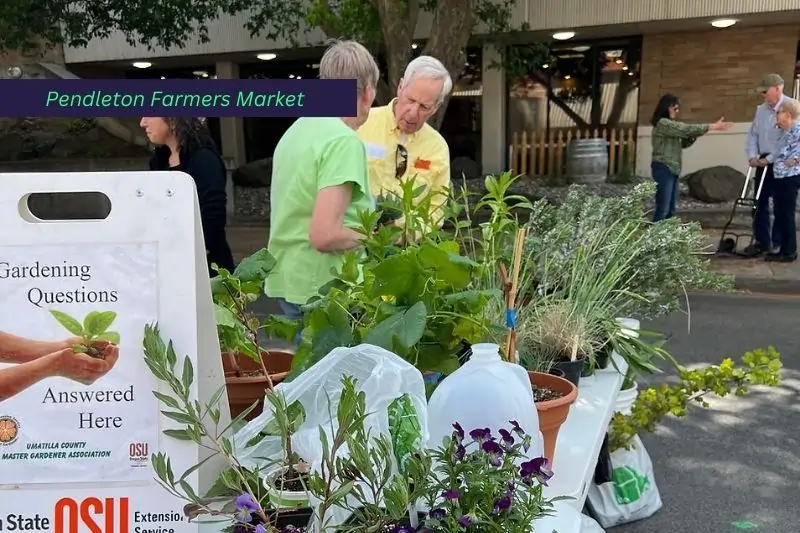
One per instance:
(386, 26)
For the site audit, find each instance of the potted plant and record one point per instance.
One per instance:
(287, 484)
(369, 481)
(553, 396)
(486, 482)
(237, 496)
(250, 370)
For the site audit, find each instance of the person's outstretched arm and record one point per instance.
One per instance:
(14, 349)
(17, 378)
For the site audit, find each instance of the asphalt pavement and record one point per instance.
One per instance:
(735, 467)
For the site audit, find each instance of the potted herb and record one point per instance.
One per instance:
(286, 485)
(485, 482)
(236, 497)
(250, 370)
(370, 480)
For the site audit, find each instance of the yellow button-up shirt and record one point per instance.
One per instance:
(428, 156)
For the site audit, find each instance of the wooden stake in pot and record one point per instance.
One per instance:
(510, 289)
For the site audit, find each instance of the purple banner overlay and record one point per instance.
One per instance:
(178, 98)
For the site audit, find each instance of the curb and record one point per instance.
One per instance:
(767, 285)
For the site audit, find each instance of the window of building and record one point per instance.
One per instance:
(588, 90)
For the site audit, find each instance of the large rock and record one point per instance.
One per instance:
(254, 174)
(715, 184)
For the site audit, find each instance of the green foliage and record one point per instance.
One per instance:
(759, 367)
(420, 299)
(362, 480)
(94, 328)
(202, 424)
(232, 294)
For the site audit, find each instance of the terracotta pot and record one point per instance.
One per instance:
(245, 390)
(553, 413)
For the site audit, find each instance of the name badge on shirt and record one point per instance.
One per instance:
(376, 151)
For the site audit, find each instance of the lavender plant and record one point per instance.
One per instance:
(486, 483)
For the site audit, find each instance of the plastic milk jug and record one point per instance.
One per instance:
(486, 392)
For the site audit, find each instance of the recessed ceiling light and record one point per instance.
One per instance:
(142, 64)
(567, 77)
(267, 57)
(200, 73)
(291, 76)
(545, 66)
(723, 23)
(581, 48)
(414, 46)
(625, 67)
(563, 35)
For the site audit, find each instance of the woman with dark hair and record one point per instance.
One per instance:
(185, 144)
(669, 138)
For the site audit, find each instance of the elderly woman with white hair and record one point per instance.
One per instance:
(786, 168)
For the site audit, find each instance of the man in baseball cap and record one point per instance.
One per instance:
(763, 141)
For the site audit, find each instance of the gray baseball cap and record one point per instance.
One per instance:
(769, 81)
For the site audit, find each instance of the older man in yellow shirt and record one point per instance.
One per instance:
(401, 144)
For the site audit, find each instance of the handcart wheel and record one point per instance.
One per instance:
(727, 246)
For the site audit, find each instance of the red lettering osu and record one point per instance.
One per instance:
(138, 449)
(71, 515)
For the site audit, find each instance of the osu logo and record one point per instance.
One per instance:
(9, 430)
(138, 453)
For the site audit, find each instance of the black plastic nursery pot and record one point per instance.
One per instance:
(556, 372)
(603, 359)
(572, 369)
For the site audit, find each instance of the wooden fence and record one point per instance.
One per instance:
(545, 154)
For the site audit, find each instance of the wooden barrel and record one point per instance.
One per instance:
(587, 161)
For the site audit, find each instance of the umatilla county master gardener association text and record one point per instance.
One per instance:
(241, 99)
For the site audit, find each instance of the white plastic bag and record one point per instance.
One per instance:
(590, 525)
(380, 374)
(632, 495)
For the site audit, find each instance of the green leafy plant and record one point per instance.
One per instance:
(759, 367)
(94, 328)
(485, 482)
(237, 327)
(416, 297)
(360, 471)
(236, 497)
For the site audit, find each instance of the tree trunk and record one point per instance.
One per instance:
(451, 29)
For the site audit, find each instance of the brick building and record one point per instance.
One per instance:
(614, 60)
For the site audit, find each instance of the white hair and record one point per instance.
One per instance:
(430, 68)
(791, 107)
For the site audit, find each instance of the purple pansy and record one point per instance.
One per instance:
(494, 451)
(437, 514)
(536, 469)
(245, 505)
(403, 529)
(480, 435)
(260, 529)
(451, 494)
(502, 504)
(458, 432)
(465, 520)
(507, 438)
(459, 453)
(516, 428)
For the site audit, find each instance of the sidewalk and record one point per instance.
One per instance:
(752, 275)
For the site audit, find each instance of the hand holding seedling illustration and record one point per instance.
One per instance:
(92, 336)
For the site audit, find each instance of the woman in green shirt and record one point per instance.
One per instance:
(669, 139)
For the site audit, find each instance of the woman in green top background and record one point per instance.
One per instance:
(669, 139)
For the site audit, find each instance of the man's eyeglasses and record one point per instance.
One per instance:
(400, 161)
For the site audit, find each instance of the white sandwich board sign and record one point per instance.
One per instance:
(77, 433)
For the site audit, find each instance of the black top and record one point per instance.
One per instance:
(205, 165)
